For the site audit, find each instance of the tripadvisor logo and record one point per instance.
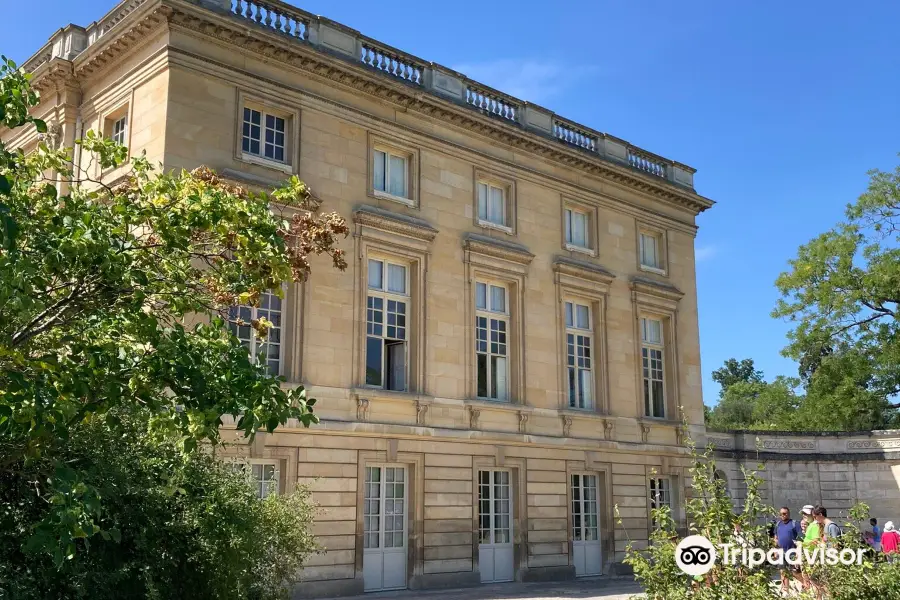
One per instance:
(695, 555)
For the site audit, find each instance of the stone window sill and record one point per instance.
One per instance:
(489, 225)
(266, 162)
(399, 199)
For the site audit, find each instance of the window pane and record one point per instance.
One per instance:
(379, 170)
(373, 360)
(583, 319)
(498, 371)
(375, 274)
(649, 251)
(567, 219)
(659, 409)
(397, 278)
(397, 172)
(585, 388)
(496, 208)
(482, 202)
(396, 366)
(570, 321)
(481, 295)
(482, 376)
(573, 388)
(498, 298)
(579, 229)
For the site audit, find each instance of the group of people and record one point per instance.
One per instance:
(815, 528)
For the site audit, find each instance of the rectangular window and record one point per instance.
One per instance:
(650, 256)
(652, 349)
(263, 135)
(491, 330)
(384, 508)
(577, 233)
(579, 361)
(660, 494)
(265, 351)
(387, 305)
(263, 475)
(492, 204)
(391, 173)
(120, 130)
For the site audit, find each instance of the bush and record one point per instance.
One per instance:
(710, 513)
(174, 525)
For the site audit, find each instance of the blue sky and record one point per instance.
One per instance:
(781, 106)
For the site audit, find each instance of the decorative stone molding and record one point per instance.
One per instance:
(566, 425)
(474, 413)
(391, 222)
(720, 443)
(444, 99)
(788, 445)
(523, 421)
(680, 435)
(563, 265)
(53, 137)
(645, 432)
(362, 409)
(649, 291)
(872, 444)
(609, 430)
(490, 247)
(421, 410)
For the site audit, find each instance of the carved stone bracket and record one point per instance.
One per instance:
(566, 425)
(609, 430)
(421, 409)
(523, 422)
(362, 409)
(645, 432)
(474, 413)
(680, 436)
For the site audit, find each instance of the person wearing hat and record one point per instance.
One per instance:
(890, 542)
(812, 527)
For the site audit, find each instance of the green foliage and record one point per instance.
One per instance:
(841, 297)
(711, 513)
(115, 299)
(734, 371)
(174, 525)
(758, 405)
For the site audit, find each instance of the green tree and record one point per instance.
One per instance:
(178, 526)
(841, 296)
(734, 371)
(757, 405)
(104, 298)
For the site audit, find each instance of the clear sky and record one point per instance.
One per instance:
(781, 106)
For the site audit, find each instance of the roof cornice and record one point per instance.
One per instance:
(242, 35)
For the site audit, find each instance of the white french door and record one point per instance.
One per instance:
(384, 528)
(495, 530)
(585, 526)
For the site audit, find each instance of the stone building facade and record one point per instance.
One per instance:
(506, 358)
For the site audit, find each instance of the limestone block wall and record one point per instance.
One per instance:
(836, 470)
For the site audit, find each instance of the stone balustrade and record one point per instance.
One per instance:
(396, 64)
(273, 15)
(492, 103)
(280, 18)
(575, 135)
